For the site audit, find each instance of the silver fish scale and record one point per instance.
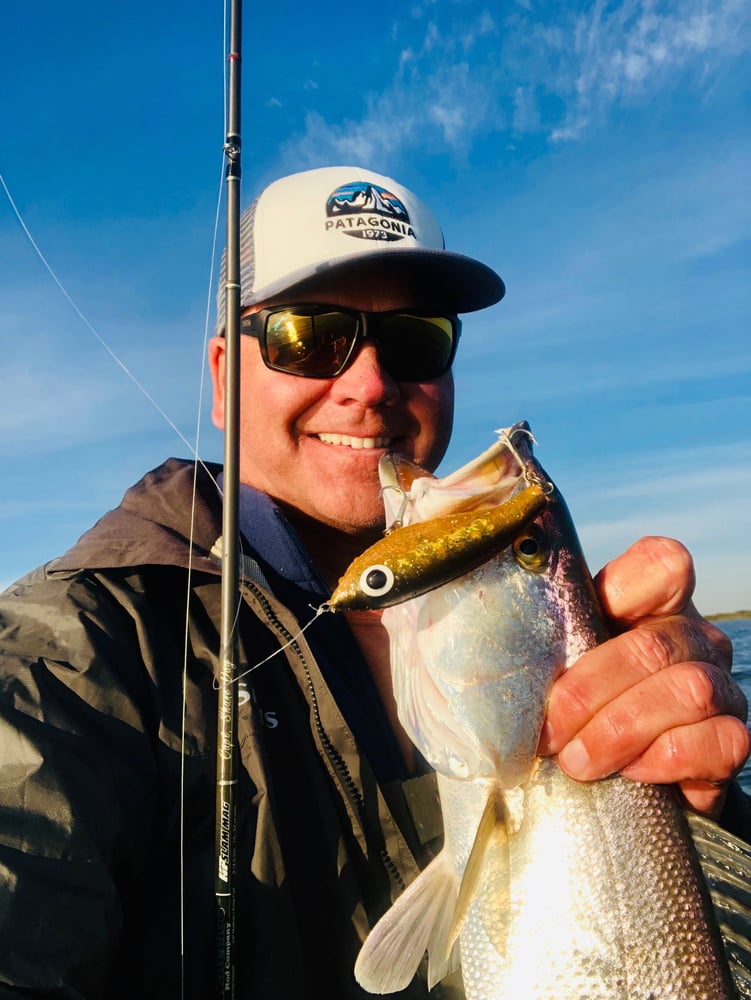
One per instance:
(598, 898)
(585, 891)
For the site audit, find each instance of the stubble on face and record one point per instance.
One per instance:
(314, 444)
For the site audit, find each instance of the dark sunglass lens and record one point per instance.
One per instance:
(416, 348)
(309, 342)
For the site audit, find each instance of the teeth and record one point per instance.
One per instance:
(355, 442)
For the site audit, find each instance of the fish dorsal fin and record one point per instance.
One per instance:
(726, 863)
(418, 921)
(491, 846)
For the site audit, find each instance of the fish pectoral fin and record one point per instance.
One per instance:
(487, 876)
(418, 921)
(726, 863)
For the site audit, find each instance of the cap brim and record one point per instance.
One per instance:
(420, 278)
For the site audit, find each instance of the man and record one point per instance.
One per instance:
(109, 654)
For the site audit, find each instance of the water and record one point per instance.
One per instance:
(739, 630)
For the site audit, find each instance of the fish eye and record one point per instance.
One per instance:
(531, 550)
(376, 580)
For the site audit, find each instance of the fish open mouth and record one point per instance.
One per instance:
(440, 529)
(489, 480)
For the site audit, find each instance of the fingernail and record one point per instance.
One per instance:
(575, 760)
(546, 745)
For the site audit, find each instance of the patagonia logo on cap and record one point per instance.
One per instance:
(368, 212)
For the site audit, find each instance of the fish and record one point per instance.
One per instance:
(545, 888)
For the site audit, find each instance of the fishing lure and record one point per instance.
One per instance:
(417, 558)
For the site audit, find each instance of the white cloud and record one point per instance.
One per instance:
(483, 26)
(358, 142)
(432, 40)
(436, 100)
(629, 51)
(476, 76)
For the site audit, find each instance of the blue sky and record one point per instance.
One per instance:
(595, 154)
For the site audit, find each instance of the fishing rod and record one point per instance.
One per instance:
(226, 764)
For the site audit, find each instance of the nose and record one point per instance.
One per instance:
(366, 380)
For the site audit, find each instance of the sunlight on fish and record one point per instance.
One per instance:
(545, 887)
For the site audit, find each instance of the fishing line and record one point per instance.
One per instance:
(194, 495)
(194, 451)
(324, 608)
(121, 364)
(321, 610)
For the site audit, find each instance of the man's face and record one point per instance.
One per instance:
(314, 444)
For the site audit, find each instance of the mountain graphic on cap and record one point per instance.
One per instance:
(365, 198)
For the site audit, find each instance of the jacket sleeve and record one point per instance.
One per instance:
(77, 781)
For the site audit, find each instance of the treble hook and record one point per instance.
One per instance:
(399, 519)
(529, 468)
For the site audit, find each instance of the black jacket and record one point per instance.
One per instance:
(99, 779)
(107, 778)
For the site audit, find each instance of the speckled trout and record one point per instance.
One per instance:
(546, 888)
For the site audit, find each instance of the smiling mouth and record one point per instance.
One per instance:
(349, 441)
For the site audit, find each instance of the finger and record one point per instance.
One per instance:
(611, 669)
(700, 759)
(704, 797)
(680, 695)
(655, 576)
(711, 752)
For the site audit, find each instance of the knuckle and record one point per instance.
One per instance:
(740, 707)
(648, 646)
(572, 697)
(672, 561)
(660, 644)
(729, 698)
(670, 553)
(677, 557)
(714, 751)
(737, 743)
(719, 646)
(619, 728)
(696, 688)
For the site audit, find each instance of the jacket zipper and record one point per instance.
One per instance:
(332, 753)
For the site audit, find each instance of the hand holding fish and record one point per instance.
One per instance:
(548, 887)
(656, 702)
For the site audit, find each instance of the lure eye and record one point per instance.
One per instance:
(376, 580)
(531, 550)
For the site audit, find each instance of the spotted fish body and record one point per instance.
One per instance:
(546, 889)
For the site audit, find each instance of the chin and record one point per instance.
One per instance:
(364, 525)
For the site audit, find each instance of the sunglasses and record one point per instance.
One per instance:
(318, 341)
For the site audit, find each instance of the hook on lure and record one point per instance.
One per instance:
(530, 470)
(398, 520)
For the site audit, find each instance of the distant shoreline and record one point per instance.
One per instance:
(725, 616)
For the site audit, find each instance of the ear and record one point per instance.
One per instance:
(216, 367)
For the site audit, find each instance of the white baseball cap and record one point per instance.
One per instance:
(308, 233)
